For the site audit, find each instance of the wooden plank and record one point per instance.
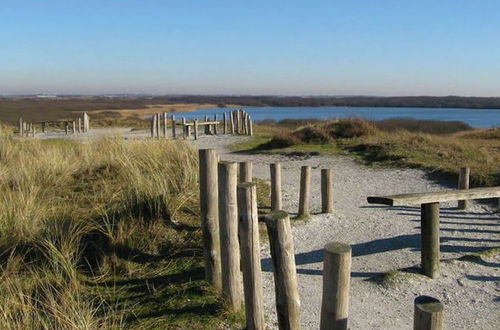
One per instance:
(435, 197)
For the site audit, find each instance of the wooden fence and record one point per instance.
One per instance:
(229, 219)
(235, 122)
(77, 125)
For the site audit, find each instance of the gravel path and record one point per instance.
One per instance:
(382, 239)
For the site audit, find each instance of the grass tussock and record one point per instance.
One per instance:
(438, 147)
(102, 234)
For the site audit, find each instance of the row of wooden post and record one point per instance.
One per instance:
(229, 218)
(79, 125)
(237, 122)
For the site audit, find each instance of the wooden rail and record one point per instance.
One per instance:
(429, 202)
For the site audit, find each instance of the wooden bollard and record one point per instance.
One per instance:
(66, 127)
(73, 126)
(43, 126)
(430, 239)
(248, 229)
(188, 131)
(224, 123)
(79, 125)
(238, 122)
(165, 121)
(207, 127)
(246, 171)
(174, 128)
(209, 211)
(21, 126)
(276, 201)
(463, 183)
(215, 125)
(429, 314)
(158, 125)
(250, 123)
(228, 223)
(232, 122)
(196, 129)
(305, 186)
(336, 283)
(153, 126)
(326, 190)
(285, 274)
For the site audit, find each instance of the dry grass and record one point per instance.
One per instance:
(101, 234)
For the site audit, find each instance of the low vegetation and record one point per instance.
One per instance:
(103, 234)
(438, 147)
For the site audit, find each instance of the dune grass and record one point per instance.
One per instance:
(102, 234)
(437, 147)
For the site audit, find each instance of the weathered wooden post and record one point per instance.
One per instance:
(336, 283)
(250, 123)
(174, 128)
(250, 255)
(21, 126)
(224, 122)
(463, 183)
(32, 128)
(196, 129)
(429, 314)
(158, 125)
(430, 239)
(207, 127)
(215, 124)
(165, 122)
(153, 126)
(228, 223)
(184, 127)
(86, 122)
(232, 122)
(276, 201)
(326, 190)
(43, 126)
(285, 274)
(209, 211)
(188, 130)
(305, 185)
(66, 127)
(79, 123)
(238, 121)
(73, 123)
(246, 171)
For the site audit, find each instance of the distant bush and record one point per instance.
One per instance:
(350, 128)
(424, 126)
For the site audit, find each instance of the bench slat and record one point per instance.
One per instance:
(435, 197)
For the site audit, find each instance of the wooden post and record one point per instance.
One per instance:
(74, 126)
(21, 126)
(66, 127)
(228, 223)
(430, 239)
(86, 122)
(250, 255)
(43, 126)
(215, 125)
(188, 131)
(429, 314)
(196, 129)
(336, 281)
(79, 123)
(463, 183)
(232, 122)
(246, 171)
(153, 126)
(276, 201)
(174, 128)
(158, 125)
(326, 190)
(207, 127)
(238, 122)
(184, 127)
(209, 213)
(224, 123)
(250, 126)
(285, 274)
(165, 121)
(32, 128)
(305, 185)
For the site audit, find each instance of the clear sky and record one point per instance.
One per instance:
(371, 47)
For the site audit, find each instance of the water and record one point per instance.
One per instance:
(473, 117)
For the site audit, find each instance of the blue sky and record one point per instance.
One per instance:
(446, 47)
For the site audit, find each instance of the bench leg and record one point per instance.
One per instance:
(430, 239)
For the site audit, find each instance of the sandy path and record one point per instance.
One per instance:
(382, 239)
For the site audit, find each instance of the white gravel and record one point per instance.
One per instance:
(383, 239)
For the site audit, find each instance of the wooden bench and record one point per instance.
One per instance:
(429, 204)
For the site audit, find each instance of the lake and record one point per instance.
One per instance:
(474, 117)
